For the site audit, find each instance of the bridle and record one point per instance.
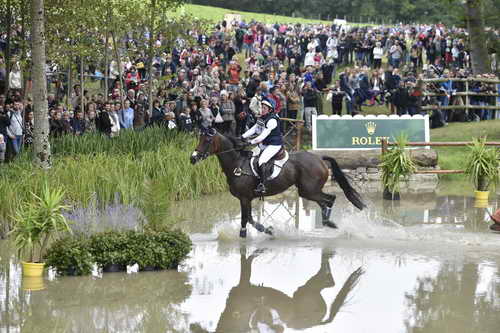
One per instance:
(210, 134)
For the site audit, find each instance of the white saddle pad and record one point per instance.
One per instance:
(278, 165)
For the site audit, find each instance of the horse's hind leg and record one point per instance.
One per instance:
(325, 202)
(327, 211)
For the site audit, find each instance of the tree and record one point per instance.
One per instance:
(477, 37)
(41, 142)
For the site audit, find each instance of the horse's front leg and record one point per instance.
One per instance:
(246, 216)
(260, 228)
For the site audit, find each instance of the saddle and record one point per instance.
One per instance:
(274, 165)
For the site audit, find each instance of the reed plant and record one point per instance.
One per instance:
(117, 170)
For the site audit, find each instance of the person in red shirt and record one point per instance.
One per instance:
(276, 99)
(133, 79)
(234, 76)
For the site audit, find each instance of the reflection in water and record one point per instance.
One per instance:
(298, 283)
(146, 302)
(264, 309)
(454, 302)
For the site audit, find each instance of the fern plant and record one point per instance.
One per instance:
(482, 164)
(396, 164)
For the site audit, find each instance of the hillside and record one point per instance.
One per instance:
(217, 14)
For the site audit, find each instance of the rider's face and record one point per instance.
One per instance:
(265, 110)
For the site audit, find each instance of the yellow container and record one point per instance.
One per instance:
(32, 268)
(480, 203)
(33, 283)
(482, 195)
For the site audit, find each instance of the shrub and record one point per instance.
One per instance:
(108, 248)
(156, 249)
(70, 256)
(175, 247)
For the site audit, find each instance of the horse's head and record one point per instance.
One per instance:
(208, 144)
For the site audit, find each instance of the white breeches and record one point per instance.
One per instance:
(267, 152)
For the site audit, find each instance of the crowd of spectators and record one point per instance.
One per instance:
(219, 80)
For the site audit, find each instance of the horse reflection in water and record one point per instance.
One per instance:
(254, 308)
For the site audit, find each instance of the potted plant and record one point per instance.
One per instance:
(482, 167)
(70, 256)
(395, 164)
(110, 250)
(35, 223)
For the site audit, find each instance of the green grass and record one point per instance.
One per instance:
(148, 169)
(454, 157)
(217, 14)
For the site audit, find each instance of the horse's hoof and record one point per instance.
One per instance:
(330, 224)
(269, 231)
(259, 227)
(495, 227)
(243, 233)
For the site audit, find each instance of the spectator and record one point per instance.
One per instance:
(77, 123)
(126, 116)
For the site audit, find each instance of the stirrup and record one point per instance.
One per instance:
(261, 189)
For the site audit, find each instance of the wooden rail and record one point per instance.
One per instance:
(385, 145)
(297, 125)
(467, 94)
(458, 107)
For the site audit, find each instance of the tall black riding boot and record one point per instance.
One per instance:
(261, 188)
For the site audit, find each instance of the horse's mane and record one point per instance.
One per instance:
(236, 142)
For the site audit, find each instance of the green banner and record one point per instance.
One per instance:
(366, 132)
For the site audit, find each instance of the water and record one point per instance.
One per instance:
(426, 264)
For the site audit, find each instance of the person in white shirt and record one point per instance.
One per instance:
(378, 53)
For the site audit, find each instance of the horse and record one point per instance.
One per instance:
(305, 309)
(307, 171)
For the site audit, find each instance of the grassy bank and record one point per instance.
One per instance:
(216, 14)
(454, 157)
(149, 170)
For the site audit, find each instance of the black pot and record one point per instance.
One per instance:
(388, 195)
(150, 269)
(113, 268)
(71, 271)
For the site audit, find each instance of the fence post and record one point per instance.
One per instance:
(298, 138)
(467, 97)
(384, 146)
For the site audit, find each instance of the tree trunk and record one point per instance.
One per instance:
(106, 65)
(150, 56)
(478, 51)
(24, 67)
(41, 142)
(70, 83)
(8, 20)
(119, 63)
(82, 85)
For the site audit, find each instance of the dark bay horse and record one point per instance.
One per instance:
(305, 309)
(308, 172)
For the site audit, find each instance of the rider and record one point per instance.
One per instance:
(269, 139)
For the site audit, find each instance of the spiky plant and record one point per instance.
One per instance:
(396, 164)
(482, 164)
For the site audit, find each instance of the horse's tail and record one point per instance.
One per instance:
(351, 194)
